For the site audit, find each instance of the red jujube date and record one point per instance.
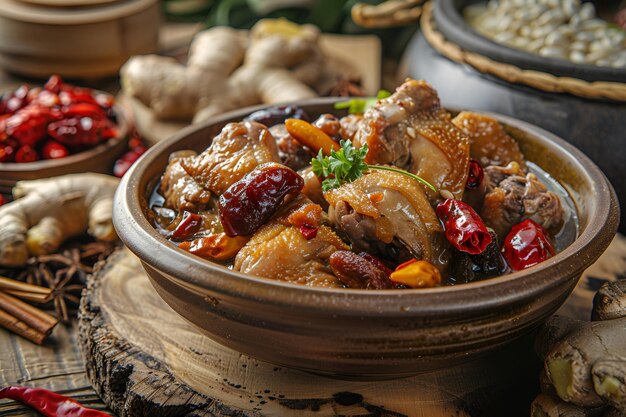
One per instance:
(251, 201)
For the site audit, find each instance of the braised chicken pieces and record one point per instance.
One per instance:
(388, 215)
(412, 131)
(400, 195)
(237, 150)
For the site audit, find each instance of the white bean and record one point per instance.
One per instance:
(535, 45)
(596, 55)
(578, 46)
(521, 15)
(552, 52)
(584, 36)
(565, 30)
(577, 57)
(575, 21)
(503, 37)
(597, 45)
(555, 39)
(587, 11)
(518, 42)
(504, 23)
(569, 7)
(619, 63)
(593, 24)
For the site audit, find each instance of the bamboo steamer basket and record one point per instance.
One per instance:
(75, 38)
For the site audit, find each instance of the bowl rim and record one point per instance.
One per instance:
(448, 16)
(201, 275)
(121, 123)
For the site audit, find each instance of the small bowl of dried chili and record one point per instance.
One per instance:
(294, 293)
(58, 129)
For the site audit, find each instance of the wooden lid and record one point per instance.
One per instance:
(99, 11)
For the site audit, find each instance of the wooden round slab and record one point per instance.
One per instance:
(144, 359)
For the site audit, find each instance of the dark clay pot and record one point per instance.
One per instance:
(596, 127)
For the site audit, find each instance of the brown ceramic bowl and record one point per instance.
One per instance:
(357, 333)
(99, 159)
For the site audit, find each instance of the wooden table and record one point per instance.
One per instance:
(59, 366)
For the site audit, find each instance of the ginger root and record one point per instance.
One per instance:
(585, 362)
(225, 70)
(48, 211)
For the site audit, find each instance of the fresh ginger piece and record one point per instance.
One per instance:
(46, 212)
(225, 70)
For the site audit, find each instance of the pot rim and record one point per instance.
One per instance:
(203, 276)
(453, 26)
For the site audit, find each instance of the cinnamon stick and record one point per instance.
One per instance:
(19, 327)
(8, 284)
(30, 296)
(31, 316)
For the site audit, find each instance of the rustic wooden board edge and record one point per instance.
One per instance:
(112, 372)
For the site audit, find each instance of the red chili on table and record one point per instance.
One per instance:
(526, 245)
(48, 403)
(251, 201)
(464, 228)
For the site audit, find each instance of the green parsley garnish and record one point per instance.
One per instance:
(360, 105)
(348, 164)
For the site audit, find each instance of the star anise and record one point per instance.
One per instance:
(65, 273)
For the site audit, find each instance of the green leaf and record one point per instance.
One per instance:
(348, 164)
(360, 105)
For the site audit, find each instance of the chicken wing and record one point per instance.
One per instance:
(412, 131)
(237, 150)
(180, 190)
(279, 250)
(513, 196)
(387, 214)
(489, 143)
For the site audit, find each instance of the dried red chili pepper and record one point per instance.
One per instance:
(251, 201)
(527, 244)
(308, 232)
(464, 228)
(29, 124)
(71, 95)
(92, 110)
(189, 225)
(7, 151)
(127, 160)
(48, 403)
(53, 150)
(54, 84)
(475, 176)
(14, 101)
(26, 154)
(75, 131)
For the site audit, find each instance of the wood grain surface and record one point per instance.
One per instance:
(59, 365)
(141, 357)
